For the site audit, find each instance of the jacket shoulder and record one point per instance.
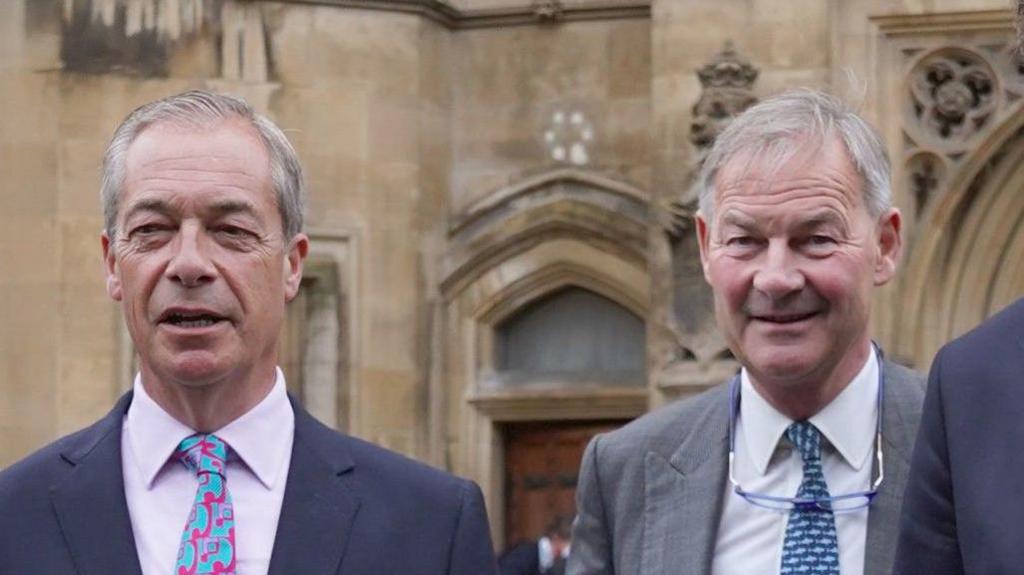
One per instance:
(907, 380)
(393, 468)
(663, 430)
(36, 472)
(380, 470)
(1004, 329)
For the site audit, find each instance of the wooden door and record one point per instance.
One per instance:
(542, 462)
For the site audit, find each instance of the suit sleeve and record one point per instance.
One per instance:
(591, 551)
(472, 552)
(928, 542)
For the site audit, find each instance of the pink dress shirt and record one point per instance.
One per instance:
(160, 490)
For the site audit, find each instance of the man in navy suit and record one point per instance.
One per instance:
(206, 466)
(964, 500)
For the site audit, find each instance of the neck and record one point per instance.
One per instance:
(801, 399)
(209, 406)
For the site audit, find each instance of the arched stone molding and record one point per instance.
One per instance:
(949, 90)
(967, 260)
(565, 202)
(566, 228)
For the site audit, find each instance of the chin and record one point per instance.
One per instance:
(195, 368)
(783, 364)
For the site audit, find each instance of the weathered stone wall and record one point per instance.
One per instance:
(523, 93)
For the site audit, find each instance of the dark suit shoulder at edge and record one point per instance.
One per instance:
(1004, 328)
(379, 461)
(34, 470)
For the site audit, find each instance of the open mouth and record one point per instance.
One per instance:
(191, 320)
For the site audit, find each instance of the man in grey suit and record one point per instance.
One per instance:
(798, 464)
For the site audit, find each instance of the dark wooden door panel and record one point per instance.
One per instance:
(542, 462)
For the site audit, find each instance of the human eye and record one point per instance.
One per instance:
(820, 244)
(740, 241)
(741, 244)
(234, 235)
(148, 231)
(233, 231)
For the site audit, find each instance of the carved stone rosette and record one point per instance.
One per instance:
(955, 95)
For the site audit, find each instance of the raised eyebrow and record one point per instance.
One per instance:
(229, 207)
(826, 218)
(149, 205)
(739, 220)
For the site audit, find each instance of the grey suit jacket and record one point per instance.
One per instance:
(650, 494)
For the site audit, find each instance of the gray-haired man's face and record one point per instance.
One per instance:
(200, 263)
(792, 257)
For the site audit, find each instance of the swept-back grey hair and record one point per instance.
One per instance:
(776, 129)
(201, 109)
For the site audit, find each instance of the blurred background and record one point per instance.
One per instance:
(503, 262)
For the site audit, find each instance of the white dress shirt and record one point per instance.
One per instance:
(750, 538)
(160, 490)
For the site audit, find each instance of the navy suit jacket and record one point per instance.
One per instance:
(350, 508)
(964, 505)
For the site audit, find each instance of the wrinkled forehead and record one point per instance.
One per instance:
(810, 161)
(227, 149)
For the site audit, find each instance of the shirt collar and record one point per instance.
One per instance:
(845, 423)
(260, 438)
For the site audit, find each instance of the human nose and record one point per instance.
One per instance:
(190, 263)
(779, 275)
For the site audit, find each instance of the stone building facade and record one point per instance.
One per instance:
(498, 193)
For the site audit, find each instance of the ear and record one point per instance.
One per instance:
(890, 246)
(297, 250)
(111, 268)
(703, 239)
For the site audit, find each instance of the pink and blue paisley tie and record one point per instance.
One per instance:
(208, 542)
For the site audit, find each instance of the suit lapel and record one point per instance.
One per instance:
(319, 504)
(90, 503)
(900, 399)
(683, 497)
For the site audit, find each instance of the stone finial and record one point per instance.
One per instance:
(728, 69)
(727, 81)
(548, 10)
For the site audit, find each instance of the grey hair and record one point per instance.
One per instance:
(777, 128)
(200, 109)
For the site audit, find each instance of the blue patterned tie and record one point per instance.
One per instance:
(810, 546)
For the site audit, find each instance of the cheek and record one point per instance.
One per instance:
(730, 282)
(845, 284)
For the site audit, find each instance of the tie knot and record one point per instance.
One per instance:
(203, 454)
(807, 440)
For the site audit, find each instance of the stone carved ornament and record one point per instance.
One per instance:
(727, 83)
(549, 11)
(955, 95)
